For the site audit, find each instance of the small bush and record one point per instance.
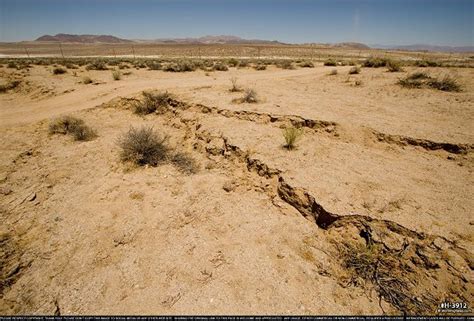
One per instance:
(260, 67)
(11, 84)
(116, 75)
(375, 62)
(250, 96)
(71, 126)
(153, 65)
(86, 80)
(291, 135)
(220, 67)
(306, 64)
(330, 62)
(394, 66)
(233, 62)
(354, 70)
(235, 87)
(286, 64)
(427, 63)
(446, 84)
(153, 102)
(358, 83)
(12, 65)
(59, 71)
(123, 66)
(333, 72)
(97, 65)
(143, 146)
(180, 66)
(243, 63)
(185, 163)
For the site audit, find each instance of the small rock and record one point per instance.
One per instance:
(450, 157)
(5, 190)
(229, 186)
(31, 197)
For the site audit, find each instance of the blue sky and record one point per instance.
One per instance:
(388, 22)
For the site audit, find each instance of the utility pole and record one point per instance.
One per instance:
(27, 53)
(61, 49)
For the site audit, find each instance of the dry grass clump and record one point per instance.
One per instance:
(243, 63)
(153, 65)
(97, 65)
(184, 163)
(72, 126)
(116, 75)
(11, 84)
(219, 66)
(250, 96)
(86, 80)
(306, 64)
(291, 135)
(375, 62)
(235, 87)
(447, 83)
(354, 70)
(421, 79)
(260, 67)
(385, 272)
(180, 66)
(59, 71)
(330, 62)
(286, 64)
(427, 63)
(394, 66)
(153, 102)
(144, 146)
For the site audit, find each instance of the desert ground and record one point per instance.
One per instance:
(369, 213)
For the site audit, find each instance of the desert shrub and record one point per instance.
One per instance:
(415, 80)
(220, 66)
(153, 102)
(153, 65)
(59, 71)
(138, 64)
(333, 72)
(243, 63)
(427, 63)
(394, 66)
(184, 162)
(330, 62)
(233, 62)
(291, 135)
(286, 64)
(143, 146)
(235, 87)
(71, 126)
(260, 67)
(86, 80)
(96, 65)
(375, 62)
(306, 64)
(354, 70)
(12, 65)
(116, 75)
(123, 66)
(70, 65)
(11, 84)
(180, 66)
(447, 83)
(250, 96)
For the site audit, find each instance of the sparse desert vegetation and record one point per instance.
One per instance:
(209, 169)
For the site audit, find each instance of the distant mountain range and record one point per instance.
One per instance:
(225, 39)
(62, 37)
(421, 47)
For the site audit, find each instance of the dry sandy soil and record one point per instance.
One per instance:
(382, 174)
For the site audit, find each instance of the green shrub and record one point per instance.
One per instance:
(153, 65)
(180, 66)
(375, 62)
(291, 135)
(184, 162)
(72, 126)
(97, 65)
(233, 62)
(286, 64)
(220, 67)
